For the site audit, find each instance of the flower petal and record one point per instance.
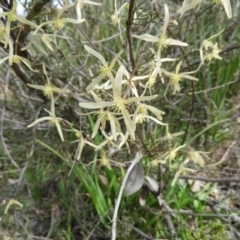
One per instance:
(93, 105)
(117, 82)
(97, 55)
(174, 42)
(227, 6)
(147, 37)
(115, 59)
(129, 124)
(143, 98)
(97, 124)
(39, 120)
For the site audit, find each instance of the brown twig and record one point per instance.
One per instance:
(206, 179)
(128, 33)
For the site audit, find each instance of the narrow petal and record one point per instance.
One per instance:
(113, 126)
(166, 20)
(178, 67)
(4, 59)
(80, 148)
(158, 113)
(174, 42)
(129, 124)
(115, 59)
(27, 63)
(147, 37)
(117, 82)
(97, 55)
(39, 87)
(97, 124)
(59, 130)
(156, 120)
(74, 21)
(93, 3)
(227, 6)
(94, 82)
(25, 21)
(39, 120)
(145, 98)
(189, 77)
(93, 105)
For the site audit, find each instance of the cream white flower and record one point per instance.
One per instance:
(118, 103)
(182, 169)
(176, 77)
(105, 69)
(52, 118)
(209, 50)
(162, 41)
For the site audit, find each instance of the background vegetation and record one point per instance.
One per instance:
(49, 191)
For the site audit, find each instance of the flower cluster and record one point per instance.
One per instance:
(120, 98)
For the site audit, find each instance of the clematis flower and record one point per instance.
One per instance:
(176, 77)
(48, 89)
(116, 18)
(12, 17)
(81, 143)
(162, 41)
(105, 69)
(196, 156)
(119, 104)
(182, 169)
(173, 153)
(17, 59)
(141, 114)
(156, 68)
(52, 118)
(59, 22)
(37, 40)
(209, 50)
(103, 118)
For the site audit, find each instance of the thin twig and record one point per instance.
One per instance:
(215, 88)
(142, 234)
(128, 33)
(206, 179)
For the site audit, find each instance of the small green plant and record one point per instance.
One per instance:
(215, 230)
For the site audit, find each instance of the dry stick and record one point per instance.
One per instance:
(215, 88)
(124, 182)
(142, 234)
(128, 33)
(167, 217)
(205, 179)
(187, 212)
